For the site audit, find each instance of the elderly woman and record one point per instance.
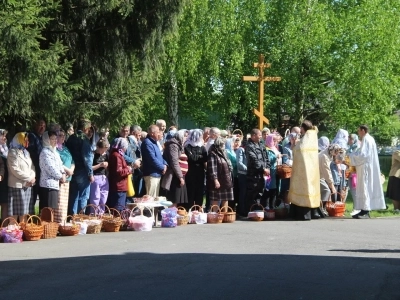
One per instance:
(52, 171)
(287, 159)
(219, 174)
(3, 174)
(327, 184)
(341, 138)
(118, 172)
(197, 161)
(174, 180)
(323, 143)
(21, 177)
(271, 187)
(60, 213)
(241, 161)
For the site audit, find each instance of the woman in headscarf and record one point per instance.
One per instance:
(60, 213)
(341, 138)
(21, 177)
(3, 174)
(271, 186)
(197, 161)
(354, 145)
(327, 184)
(118, 172)
(287, 159)
(323, 143)
(219, 174)
(174, 178)
(52, 171)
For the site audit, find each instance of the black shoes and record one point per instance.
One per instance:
(363, 214)
(314, 214)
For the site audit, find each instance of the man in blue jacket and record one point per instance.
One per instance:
(154, 166)
(80, 147)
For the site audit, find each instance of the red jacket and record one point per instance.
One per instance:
(117, 172)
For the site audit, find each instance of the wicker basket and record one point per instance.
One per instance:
(215, 217)
(284, 171)
(281, 213)
(269, 215)
(125, 213)
(238, 133)
(32, 231)
(182, 220)
(336, 209)
(50, 228)
(182, 211)
(12, 233)
(93, 220)
(256, 215)
(114, 223)
(69, 230)
(229, 216)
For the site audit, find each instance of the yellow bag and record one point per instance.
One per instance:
(130, 191)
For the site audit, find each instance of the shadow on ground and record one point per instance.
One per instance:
(201, 276)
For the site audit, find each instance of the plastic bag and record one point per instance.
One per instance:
(141, 223)
(169, 217)
(83, 229)
(130, 191)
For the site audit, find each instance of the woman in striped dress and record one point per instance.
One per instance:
(21, 177)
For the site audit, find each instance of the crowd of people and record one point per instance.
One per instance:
(68, 169)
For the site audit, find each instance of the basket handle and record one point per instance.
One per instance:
(112, 212)
(95, 208)
(200, 208)
(240, 132)
(340, 196)
(211, 208)
(181, 208)
(32, 217)
(226, 208)
(51, 213)
(106, 208)
(256, 204)
(9, 218)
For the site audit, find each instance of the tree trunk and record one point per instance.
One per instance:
(172, 101)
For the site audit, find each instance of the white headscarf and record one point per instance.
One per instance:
(323, 143)
(46, 142)
(341, 138)
(195, 138)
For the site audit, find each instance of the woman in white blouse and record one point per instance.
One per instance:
(52, 171)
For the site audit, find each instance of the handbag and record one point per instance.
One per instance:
(130, 192)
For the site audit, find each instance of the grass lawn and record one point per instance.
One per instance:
(375, 213)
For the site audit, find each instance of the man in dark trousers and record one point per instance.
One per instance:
(257, 167)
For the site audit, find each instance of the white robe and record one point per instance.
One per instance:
(369, 192)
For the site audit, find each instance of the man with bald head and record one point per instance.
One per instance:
(154, 164)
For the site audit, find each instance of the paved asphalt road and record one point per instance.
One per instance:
(321, 259)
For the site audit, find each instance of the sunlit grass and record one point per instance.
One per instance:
(375, 213)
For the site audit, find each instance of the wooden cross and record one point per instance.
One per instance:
(260, 112)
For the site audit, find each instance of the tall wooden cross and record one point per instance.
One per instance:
(261, 66)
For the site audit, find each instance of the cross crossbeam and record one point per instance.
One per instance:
(261, 79)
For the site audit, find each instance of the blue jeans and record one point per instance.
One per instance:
(116, 200)
(79, 191)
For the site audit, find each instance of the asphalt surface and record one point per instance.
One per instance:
(319, 259)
